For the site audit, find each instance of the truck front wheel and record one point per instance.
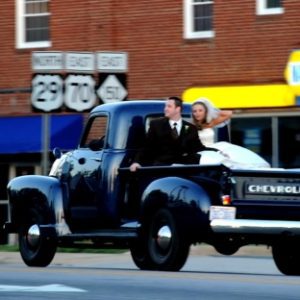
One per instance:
(167, 246)
(37, 248)
(139, 252)
(286, 256)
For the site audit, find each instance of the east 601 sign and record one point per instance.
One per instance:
(47, 92)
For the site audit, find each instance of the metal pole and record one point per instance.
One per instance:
(275, 143)
(45, 142)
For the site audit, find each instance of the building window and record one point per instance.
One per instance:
(32, 20)
(254, 134)
(289, 142)
(198, 19)
(269, 7)
(270, 137)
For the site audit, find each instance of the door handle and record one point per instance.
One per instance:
(96, 159)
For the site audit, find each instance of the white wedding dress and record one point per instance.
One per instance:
(230, 155)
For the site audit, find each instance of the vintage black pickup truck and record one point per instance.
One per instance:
(91, 199)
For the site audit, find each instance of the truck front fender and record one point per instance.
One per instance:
(41, 192)
(187, 199)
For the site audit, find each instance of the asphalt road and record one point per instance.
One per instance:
(249, 274)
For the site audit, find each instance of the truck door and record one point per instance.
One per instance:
(85, 175)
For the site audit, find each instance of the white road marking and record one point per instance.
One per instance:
(42, 288)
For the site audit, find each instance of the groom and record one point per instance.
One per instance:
(170, 140)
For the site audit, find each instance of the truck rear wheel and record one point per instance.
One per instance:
(286, 256)
(37, 249)
(168, 248)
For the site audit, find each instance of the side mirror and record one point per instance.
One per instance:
(57, 153)
(96, 145)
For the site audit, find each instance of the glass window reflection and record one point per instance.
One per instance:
(254, 134)
(289, 142)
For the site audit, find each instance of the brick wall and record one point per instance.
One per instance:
(247, 49)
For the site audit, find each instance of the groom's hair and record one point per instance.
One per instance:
(178, 101)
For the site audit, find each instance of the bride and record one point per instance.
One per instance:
(206, 117)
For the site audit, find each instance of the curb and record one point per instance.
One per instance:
(249, 250)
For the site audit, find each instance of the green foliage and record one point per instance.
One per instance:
(9, 248)
(13, 248)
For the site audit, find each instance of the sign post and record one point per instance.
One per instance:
(45, 142)
(46, 94)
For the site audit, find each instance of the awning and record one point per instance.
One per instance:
(252, 96)
(24, 134)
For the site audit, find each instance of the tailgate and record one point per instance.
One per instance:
(266, 194)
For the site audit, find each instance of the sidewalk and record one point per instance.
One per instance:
(91, 259)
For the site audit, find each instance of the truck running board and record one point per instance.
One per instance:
(117, 234)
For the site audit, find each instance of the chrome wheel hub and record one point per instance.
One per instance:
(33, 235)
(164, 236)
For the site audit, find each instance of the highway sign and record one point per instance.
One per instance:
(83, 62)
(47, 61)
(112, 90)
(112, 62)
(47, 92)
(80, 92)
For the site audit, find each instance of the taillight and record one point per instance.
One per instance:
(226, 199)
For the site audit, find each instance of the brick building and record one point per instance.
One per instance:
(165, 57)
(234, 52)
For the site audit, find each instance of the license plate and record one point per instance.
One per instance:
(222, 212)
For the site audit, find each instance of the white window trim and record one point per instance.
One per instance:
(20, 32)
(261, 9)
(189, 33)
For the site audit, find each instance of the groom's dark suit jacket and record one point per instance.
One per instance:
(161, 148)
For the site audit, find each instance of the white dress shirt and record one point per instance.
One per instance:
(178, 126)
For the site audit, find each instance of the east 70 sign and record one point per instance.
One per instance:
(80, 94)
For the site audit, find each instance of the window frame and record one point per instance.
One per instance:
(261, 9)
(189, 32)
(20, 28)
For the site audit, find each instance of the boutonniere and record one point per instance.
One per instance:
(186, 127)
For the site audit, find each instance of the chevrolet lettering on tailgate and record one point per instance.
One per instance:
(285, 189)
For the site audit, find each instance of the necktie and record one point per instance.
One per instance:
(174, 131)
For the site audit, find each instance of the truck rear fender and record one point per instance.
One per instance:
(40, 192)
(188, 200)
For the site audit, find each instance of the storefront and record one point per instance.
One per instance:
(266, 119)
(21, 147)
